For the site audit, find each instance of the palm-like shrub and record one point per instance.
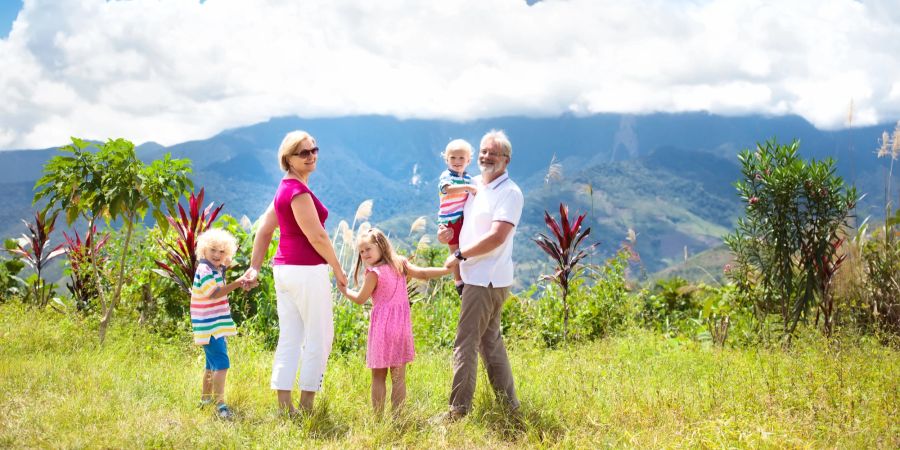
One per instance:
(181, 256)
(34, 249)
(563, 248)
(81, 253)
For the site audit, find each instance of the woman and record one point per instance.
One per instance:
(300, 267)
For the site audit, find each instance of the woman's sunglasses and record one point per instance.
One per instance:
(307, 153)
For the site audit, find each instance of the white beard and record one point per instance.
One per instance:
(487, 170)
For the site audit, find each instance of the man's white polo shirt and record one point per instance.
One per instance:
(501, 200)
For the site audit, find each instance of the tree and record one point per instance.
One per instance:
(113, 184)
(563, 248)
(788, 240)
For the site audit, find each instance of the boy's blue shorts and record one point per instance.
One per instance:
(216, 354)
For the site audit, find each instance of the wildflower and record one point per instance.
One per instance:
(754, 200)
(885, 142)
(554, 172)
(363, 211)
(727, 268)
(418, 225)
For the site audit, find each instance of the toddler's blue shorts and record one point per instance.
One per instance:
(216, 354)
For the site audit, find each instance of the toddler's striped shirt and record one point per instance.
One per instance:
(209, 316)
(451, 208)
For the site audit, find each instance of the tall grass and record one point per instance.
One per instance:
(59, 388)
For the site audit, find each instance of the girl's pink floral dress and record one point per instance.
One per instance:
(390, 328)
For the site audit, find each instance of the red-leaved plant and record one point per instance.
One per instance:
(563, 248)
(82, 253)
(181, 257)
(35, 250)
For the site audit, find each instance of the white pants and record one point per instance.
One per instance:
(306, 328)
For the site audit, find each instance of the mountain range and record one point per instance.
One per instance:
(668, 177)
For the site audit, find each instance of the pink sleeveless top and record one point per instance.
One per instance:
(294, 247)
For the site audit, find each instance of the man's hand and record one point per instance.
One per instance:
(444, 234)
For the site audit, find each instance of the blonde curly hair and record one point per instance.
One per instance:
(217, 238)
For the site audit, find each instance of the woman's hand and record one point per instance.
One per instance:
(341, 279)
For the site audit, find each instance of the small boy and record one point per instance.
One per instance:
(211, 314)
(455, 186)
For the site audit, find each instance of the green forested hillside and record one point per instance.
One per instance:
(666, 176)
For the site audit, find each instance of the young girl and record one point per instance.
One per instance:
(390, 345)
(211, 314)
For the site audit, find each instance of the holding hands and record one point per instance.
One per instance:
(249, 279)
(341, 279)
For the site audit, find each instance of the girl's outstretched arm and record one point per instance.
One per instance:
(359, 297)
(424, 273)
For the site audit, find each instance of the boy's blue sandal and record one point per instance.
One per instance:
(224, 412)
(204, 403)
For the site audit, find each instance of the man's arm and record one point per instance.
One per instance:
(494, 238)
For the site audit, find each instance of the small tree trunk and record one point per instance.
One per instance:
(145, 300)
(100, 293)
(565, 295)
(107, 317)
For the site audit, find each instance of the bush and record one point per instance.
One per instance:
(435, 314)
(788, 242)
(607, 307)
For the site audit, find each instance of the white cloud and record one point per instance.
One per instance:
(173, 70)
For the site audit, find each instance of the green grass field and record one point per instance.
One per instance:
(59, 388)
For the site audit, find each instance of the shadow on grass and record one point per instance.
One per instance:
(528, 423)
(322, 423)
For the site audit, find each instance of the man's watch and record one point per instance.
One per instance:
(458, 255)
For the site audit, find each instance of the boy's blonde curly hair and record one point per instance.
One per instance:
(217, 238)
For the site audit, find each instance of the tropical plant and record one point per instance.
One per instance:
(9, 271)
(181, 256)
(111, 184)
(788, 240)
(34, 249)
(564, 249)
(80, 253)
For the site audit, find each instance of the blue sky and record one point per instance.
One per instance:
(8, 11)
(177, 70)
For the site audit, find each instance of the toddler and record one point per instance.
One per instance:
(390, 344)
(211, 314)
(455, 186)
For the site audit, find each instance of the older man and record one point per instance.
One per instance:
(485, 260)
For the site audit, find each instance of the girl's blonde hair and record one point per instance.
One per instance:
(388, 256)
(218, 238)
(457, 144)
(289, 144)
